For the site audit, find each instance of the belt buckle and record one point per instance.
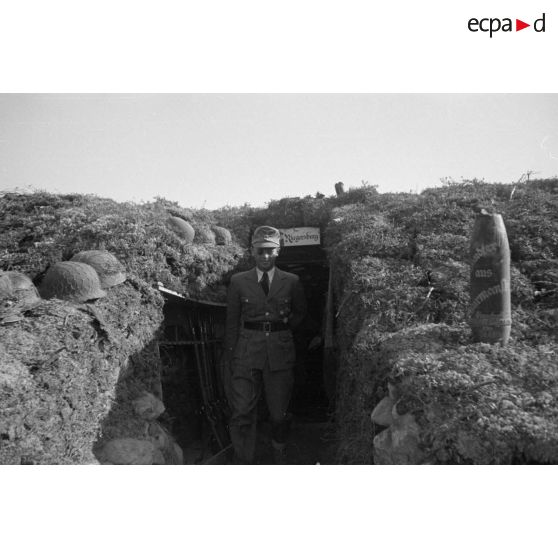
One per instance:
(267, 327)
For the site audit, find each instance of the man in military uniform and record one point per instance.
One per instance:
(264, 305)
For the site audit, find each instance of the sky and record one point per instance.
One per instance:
(212, 150)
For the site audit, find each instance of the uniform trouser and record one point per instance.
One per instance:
(246, 389)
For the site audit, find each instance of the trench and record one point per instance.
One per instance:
(193, 382)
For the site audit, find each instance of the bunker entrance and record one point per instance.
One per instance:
(309, 401)
(197, 410)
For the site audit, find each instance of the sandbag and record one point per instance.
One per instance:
(398, 444)
(148, 406)
(382, 412)
(129, 451)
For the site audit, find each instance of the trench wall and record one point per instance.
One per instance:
(80, 383)
(69, 374)
(77, 377)
(400, 273)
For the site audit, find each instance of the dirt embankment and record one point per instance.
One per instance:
(80, 383)
(401, 264)
(65, 370)
(74, 376)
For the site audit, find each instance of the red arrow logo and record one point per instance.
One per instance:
(519, 25)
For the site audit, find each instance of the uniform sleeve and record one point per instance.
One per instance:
(298, 306)
(232, 324)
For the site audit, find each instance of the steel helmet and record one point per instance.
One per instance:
(73, 281)
(108, 268)
(17, 293)
(182, 228)
(222, 236)
(205, 235)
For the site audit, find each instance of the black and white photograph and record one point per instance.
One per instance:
(278, 279)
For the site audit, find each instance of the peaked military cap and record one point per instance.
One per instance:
(266, 237)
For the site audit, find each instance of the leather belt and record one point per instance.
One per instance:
(266, 326)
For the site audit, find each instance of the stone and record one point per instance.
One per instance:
(383, 448)
(159, 436)
(398, 444)
(382, 412)
(179, 454)
(148, 407)
(159, 458)
(164, 443)
(129, 451)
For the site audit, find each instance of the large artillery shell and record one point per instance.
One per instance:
(490, 306)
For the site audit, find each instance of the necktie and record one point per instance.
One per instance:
(265, 283)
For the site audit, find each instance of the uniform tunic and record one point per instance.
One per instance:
(260, 359)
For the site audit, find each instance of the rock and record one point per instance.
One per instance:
(382, 412)
(17, 295)
(158, 458)
(179, 454)
(18, 289)
(383, 448)
(161, 437)
(398, 444)
(148, 406)
(165, 444)
(129, 451)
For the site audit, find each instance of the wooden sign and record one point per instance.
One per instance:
(303, 236)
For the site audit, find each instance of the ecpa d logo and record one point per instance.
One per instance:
(492, 25)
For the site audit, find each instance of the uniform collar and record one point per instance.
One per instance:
(270, 274)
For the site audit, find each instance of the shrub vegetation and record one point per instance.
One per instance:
(400, 282)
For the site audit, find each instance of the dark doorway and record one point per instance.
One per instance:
(193, 389)
(309, 402)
